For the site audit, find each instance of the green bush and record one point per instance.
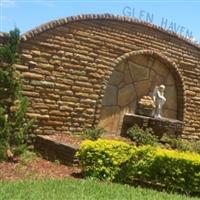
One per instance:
(196, 146)
(3, 148)
(103, 158)
(118, 161)
(176, 143)
(8, 53)
(142, 137)
(178, 171)
(181, 144)
(93, 133)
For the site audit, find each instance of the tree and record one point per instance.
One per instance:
(14, 124)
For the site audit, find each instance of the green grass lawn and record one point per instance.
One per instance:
(79, 190)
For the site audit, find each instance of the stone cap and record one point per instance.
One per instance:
(3, 37)
(4, 34)
(162, 119)
(59, 22)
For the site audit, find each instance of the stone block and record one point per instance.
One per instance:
(36, 52)
(26, 56)
(140, 60)
(58, 113)
(160, 68)
(70, 99)
(66, 108)
(143, 88)
(126, 95)
(171, 98)
(31, 75)
(47, 84)
(116, 78)
(138, 72)
(170, 80)
(127, 76)
(30, 94)
(110, 96)
(32, 64)
(21, 67)
(110, 118)
(37, 116)
(46, 66)
(62, 86)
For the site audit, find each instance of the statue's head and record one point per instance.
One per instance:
(162, 88)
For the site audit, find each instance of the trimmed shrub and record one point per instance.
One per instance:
(174, 171)
(177, 170)
(103, 158)
(118, 161)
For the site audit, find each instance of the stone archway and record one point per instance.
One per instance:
(132, 78)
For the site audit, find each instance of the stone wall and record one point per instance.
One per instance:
(67, 65)
(3, 38)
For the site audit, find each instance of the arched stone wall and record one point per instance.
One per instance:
(136, 76)
(66, 66)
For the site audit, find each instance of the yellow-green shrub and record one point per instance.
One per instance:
(118, 161)
(179, 171)
(103, 158)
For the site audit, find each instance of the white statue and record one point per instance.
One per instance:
(159, 99)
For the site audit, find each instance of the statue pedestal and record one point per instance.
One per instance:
(159, 125)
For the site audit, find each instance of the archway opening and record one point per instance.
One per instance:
(132, 79)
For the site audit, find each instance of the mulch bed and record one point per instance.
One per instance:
(40, 168)
(36, 169)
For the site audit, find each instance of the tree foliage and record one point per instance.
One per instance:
(14, 124)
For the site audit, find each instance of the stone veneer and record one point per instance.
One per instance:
(67, 64)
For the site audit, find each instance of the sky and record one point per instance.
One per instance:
(180, 16)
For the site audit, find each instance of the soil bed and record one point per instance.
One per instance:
(35, 169)
(38, 167)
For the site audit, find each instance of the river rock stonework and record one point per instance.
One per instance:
(89, 70)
